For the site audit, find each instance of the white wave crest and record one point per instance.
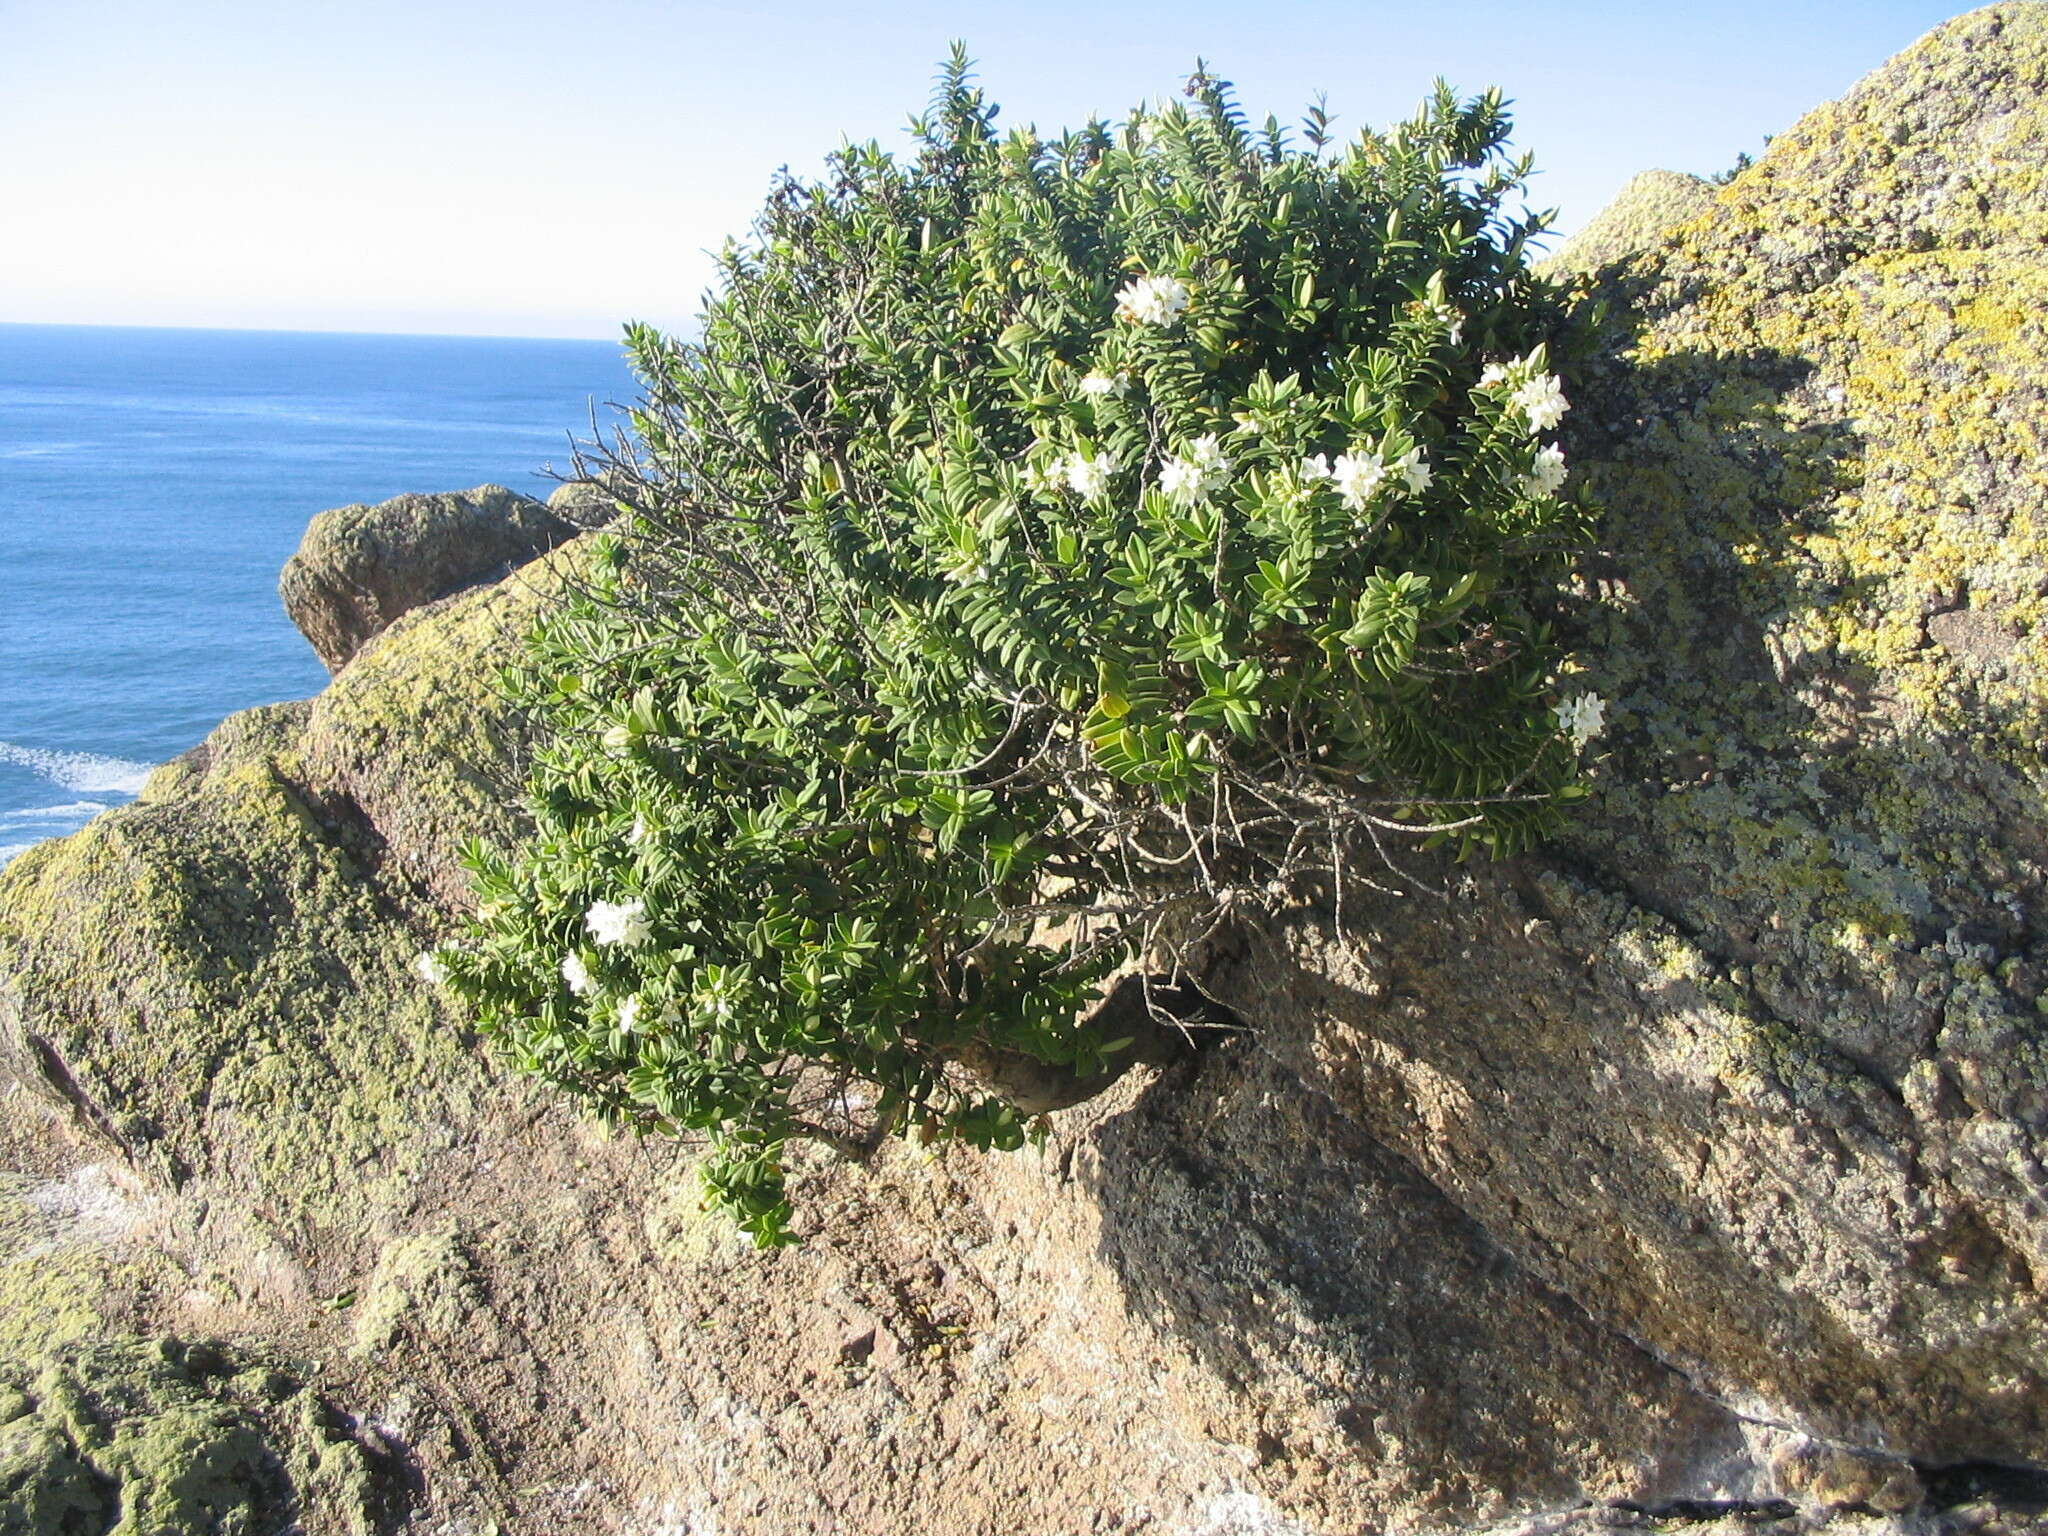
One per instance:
(77, 810)
(84, 773)
(40, 450)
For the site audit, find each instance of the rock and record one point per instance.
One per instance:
(160, 1437)
(1753, 1063)
(359, 568)
(216, 983)
(585, 503)
(1649, 208)
(1834, 1478)
(229, 962)
(414, 735)
(422, 1284)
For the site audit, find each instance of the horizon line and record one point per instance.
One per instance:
(306, 330)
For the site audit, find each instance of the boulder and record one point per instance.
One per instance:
(1653, 204)
(215, 988)
(586, 503)
(359, 568)
(1754, 1063)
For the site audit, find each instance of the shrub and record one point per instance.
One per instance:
(1049, 549)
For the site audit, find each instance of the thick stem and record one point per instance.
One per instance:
(1154, 1013)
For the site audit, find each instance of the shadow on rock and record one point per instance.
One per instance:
(1373, 1330)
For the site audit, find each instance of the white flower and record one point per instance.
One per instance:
(1180, 479)
(618, 922)
(1106, 384)
(1542, 400)
(1451, 319)
(1546, 474)
(629, 1014)
(1496, 373)
(1152, 301)
(1359, 477)
(1088, 477)
(639, 833)
(1316, 467)
(577, 974)
(1414, 471)
(1043, 475)
(966, 570)
(432, 968)
(1197, 472)
(1583, 718)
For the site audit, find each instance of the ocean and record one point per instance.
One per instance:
(152, 484)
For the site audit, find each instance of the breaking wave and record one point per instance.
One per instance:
(84, 773)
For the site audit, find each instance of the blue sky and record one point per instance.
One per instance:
(505, 167)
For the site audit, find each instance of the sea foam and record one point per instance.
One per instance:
(84, 773)
(75, 811)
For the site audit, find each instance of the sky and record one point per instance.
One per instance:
(507, 167)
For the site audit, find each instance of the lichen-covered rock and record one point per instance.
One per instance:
(1167, 1312)
(1756, 1065)
(359, 568)
(416, 737)
(1643, 213)
(1832, 1478)
(163, 1438)
(75, 1259)
(215, 985)
(217, 982)
(214, 990)
(586, 503)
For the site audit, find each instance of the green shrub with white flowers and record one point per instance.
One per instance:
(1052, 549)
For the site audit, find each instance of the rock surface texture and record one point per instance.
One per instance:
(1687, 1175)
(360, 568)
(1755, 1071)
(1642, 213)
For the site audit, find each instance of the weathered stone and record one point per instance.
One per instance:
(162, 1438)
(359, 568)
(414, 733)
(217, 982)
(1754, 1064)
(1645, 212)
(585, 503)
(1834, 1478)
(219, 976)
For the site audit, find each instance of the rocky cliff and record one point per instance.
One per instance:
(1687, 1173)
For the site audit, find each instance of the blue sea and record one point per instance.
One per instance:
(152, 484)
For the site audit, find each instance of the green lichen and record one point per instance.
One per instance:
(414, 726)
(223, 970)
(223, 977)
(159, 1438)
(1644, 213)
(71, 1266)
(423, 1286)
(1820, 436)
